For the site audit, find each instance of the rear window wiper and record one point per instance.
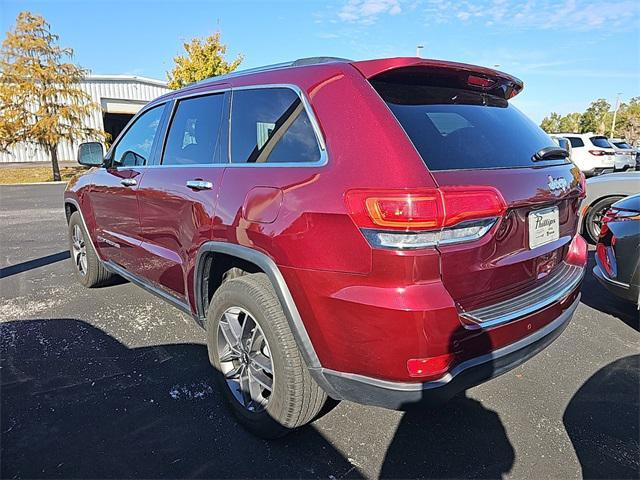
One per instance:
(550, 153)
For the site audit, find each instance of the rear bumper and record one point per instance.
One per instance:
(471, 372)
(619, 289)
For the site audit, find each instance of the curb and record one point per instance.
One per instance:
(34, 183)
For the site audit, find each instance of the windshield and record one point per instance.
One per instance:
(463, 129)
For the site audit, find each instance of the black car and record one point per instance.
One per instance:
(618, 249)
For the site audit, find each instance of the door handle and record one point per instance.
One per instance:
(199, 184)
(129, 182)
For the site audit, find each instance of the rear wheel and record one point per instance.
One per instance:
(258, 365)
(593, 219)
(87, 266)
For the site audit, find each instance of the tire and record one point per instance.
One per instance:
(594, 214)
(89, 272)
(294, 399)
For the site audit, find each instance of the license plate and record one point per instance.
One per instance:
(544, 227)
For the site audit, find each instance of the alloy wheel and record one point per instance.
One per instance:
(245, 359)
(79, 249)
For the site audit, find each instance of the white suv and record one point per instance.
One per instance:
(593, 154)
(625, 154)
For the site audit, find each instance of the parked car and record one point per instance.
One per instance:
(625, 154)
(388, 231)
(562, 142)
(602, 192)
(618, 249)
(593, 154)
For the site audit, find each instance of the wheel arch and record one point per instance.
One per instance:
(258, 262)
(584, 209)
(70, 207)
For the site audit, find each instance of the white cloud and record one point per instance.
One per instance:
(368, 11)
(537, 14)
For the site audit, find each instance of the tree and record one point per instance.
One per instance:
(597, 118)
(42, 102)
(551, 124)
(204, 58)
(570, 123)
(594, 119)
(628, 121)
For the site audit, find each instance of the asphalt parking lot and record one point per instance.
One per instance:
(112, 382)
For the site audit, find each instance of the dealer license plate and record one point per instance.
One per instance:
(544, 227)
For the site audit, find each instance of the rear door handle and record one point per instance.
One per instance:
(129, 182)
(199, 184)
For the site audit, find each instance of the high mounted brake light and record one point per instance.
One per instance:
(478, 81)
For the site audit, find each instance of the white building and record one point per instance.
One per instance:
(119, 96)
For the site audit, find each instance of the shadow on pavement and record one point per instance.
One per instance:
(596, 296)
(460, 439)
(35, 263)
(602, 421)
(76, 403)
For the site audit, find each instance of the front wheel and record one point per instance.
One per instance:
(593, 218)
(87, 266)
(258, 365)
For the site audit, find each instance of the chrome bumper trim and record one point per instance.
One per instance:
(561, 283)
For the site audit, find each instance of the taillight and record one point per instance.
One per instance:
(607, 259)
(425, 217)
(618, 215)
(600, 153)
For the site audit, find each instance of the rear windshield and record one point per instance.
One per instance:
(461, 129)
(624, 145)
(601, 142)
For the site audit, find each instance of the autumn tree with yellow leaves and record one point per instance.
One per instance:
(204, 58)
(41, 101)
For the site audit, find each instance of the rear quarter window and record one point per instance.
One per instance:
(463, 129)
(271, 125)
(601, 142)
(576, 142)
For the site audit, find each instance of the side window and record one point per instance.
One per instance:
(194, 131)
(576, 142)
(270, 125)
(134, 147)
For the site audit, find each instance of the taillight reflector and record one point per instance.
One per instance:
(423, 209)
(577, 254)
(430, 367)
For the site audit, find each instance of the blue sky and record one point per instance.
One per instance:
(567, 52)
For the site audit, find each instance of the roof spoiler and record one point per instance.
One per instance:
(482, 78)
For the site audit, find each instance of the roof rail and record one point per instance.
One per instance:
(276, 66)
(316, 60)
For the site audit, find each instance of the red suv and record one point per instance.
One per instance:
(388, 232)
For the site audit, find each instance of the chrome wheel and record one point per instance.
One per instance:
(245, 359)
(79, 249)
(596, 222)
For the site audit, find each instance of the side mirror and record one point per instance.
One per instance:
(90, 154)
